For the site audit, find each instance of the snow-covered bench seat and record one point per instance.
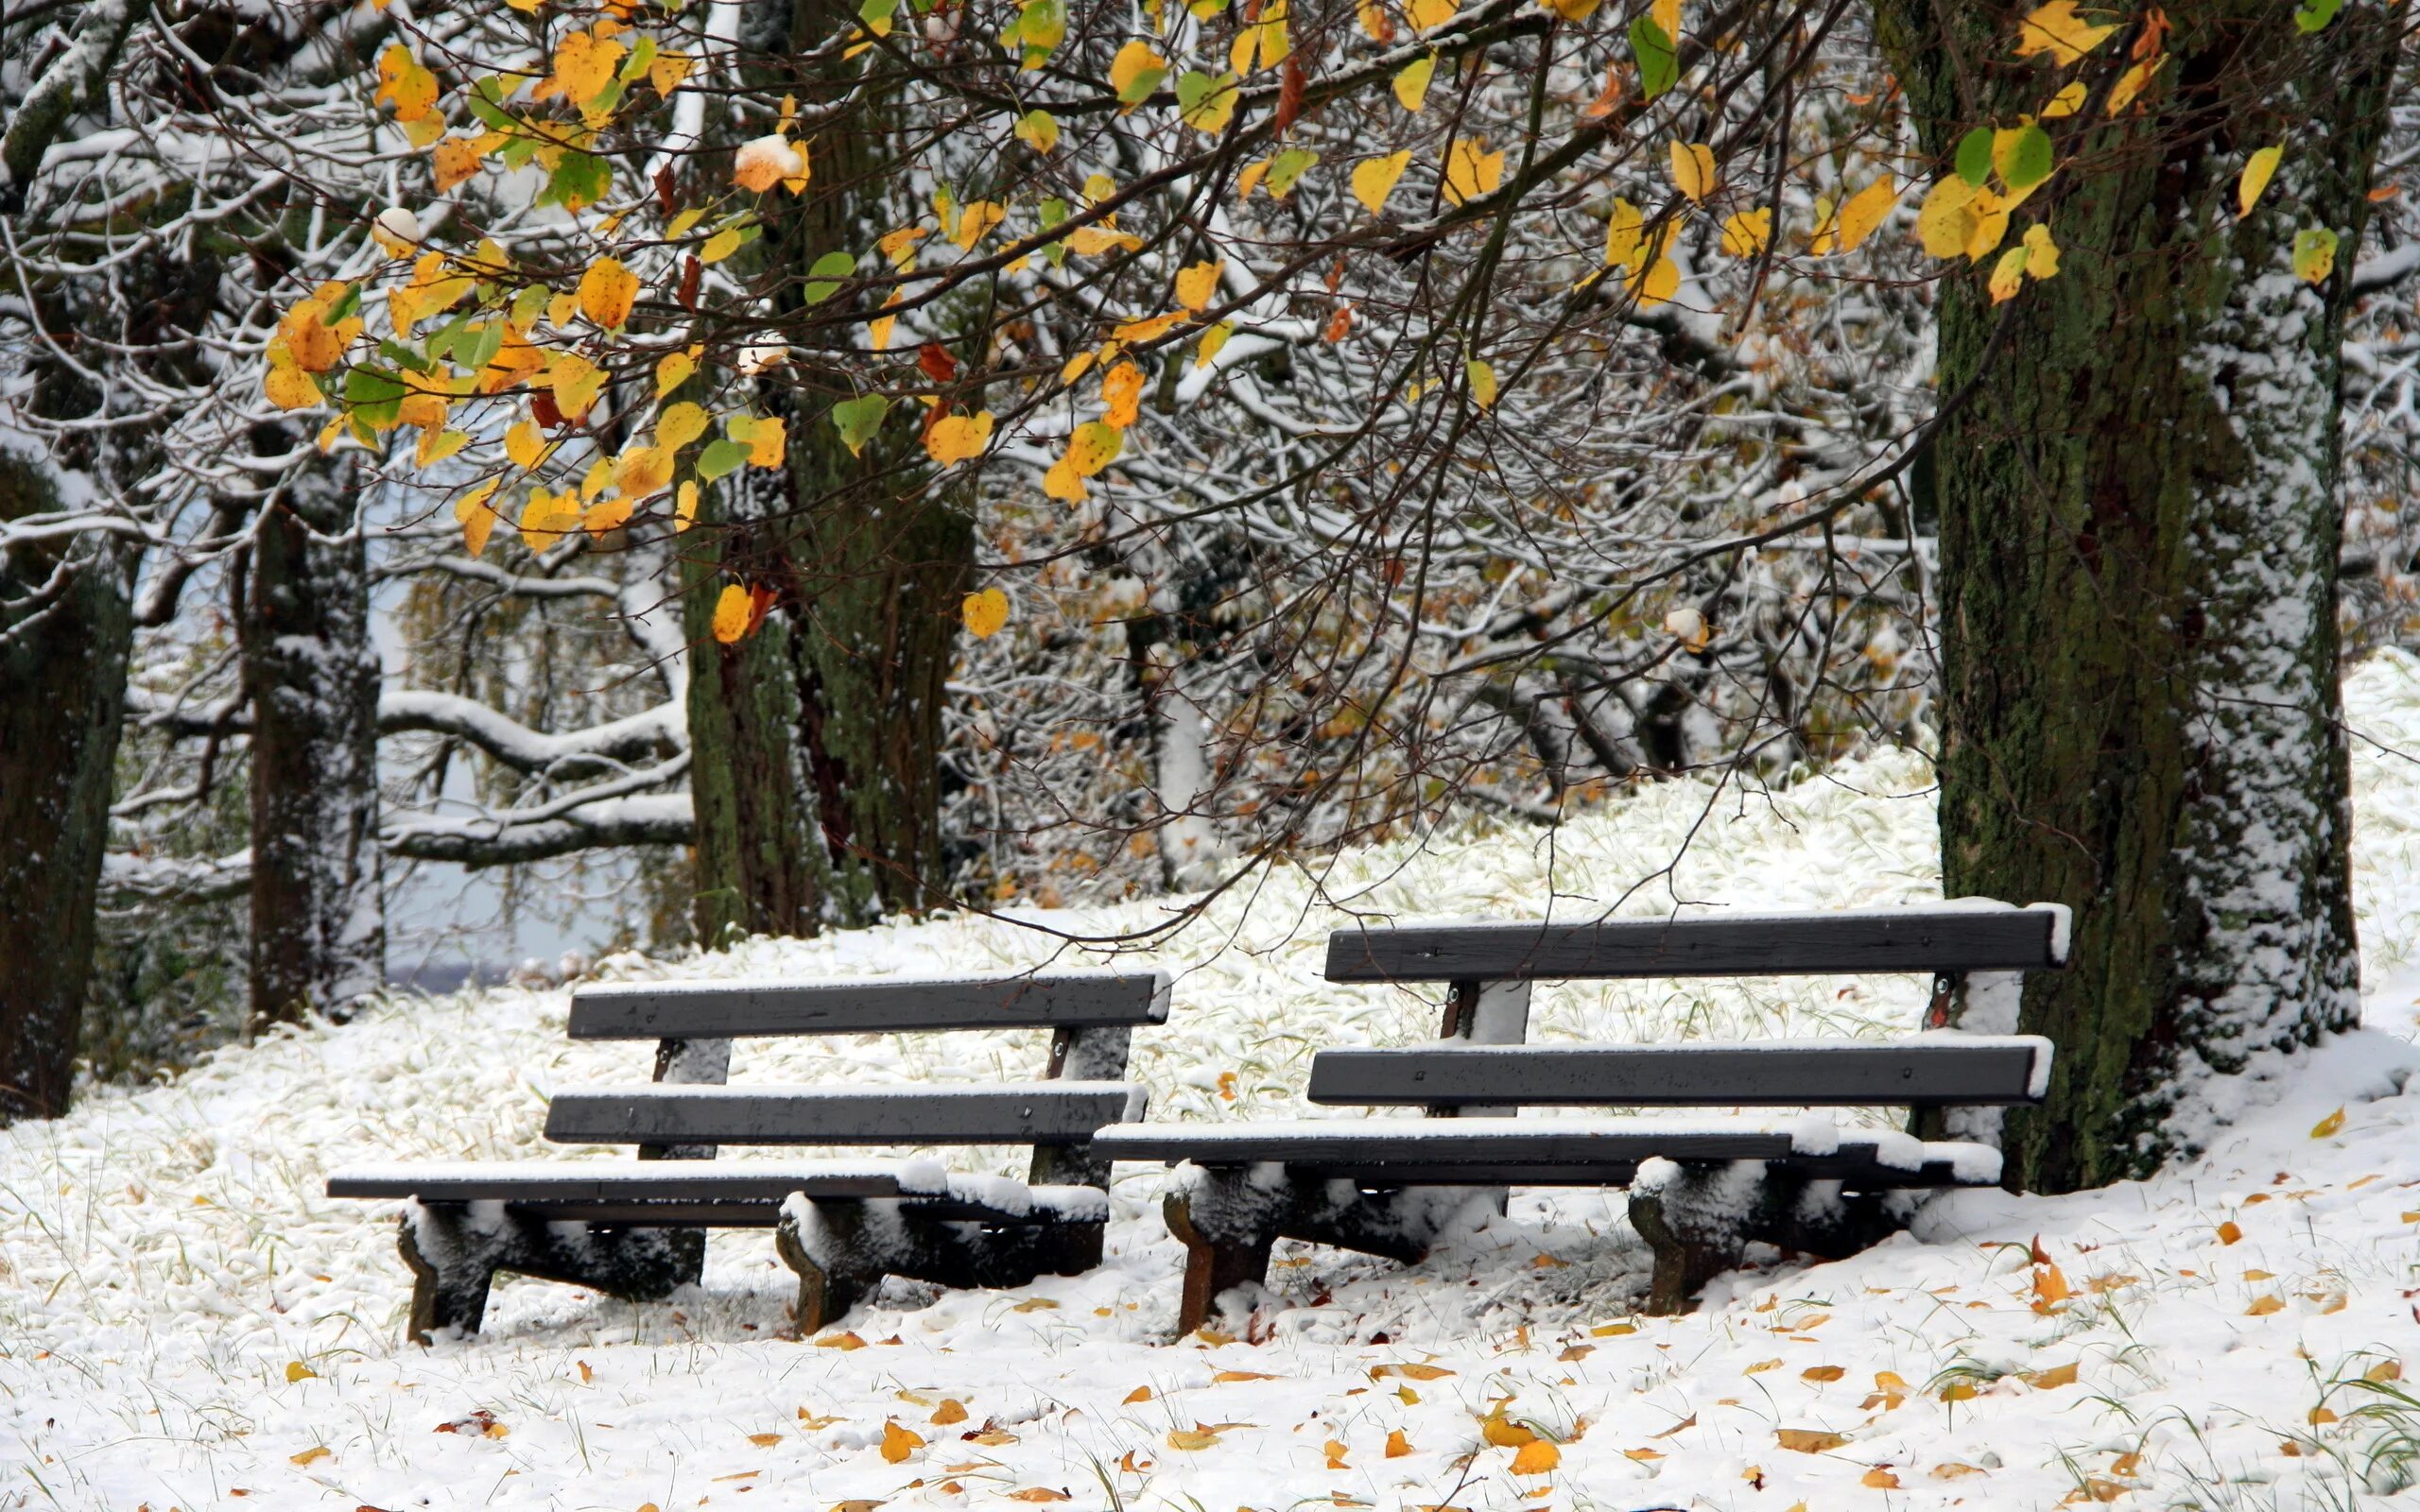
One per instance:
(636, 1228)
(1700, 1188)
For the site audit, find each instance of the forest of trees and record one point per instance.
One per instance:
(813, 461)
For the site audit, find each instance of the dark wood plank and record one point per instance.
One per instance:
(722, 1011)
(1778, 1073)
(600, 1182)
(1892, 939)
(1442, 1155)
(1044, 1112)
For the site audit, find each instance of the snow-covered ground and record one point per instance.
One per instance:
(186, 1322)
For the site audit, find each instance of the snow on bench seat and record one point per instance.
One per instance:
(1538, 1152)
(735, 1193)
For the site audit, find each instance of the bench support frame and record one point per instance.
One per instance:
(454, 1253)
(1701, 1218)
(841, 1247)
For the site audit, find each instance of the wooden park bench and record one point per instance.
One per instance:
(1700, 1189)
(636, 1229)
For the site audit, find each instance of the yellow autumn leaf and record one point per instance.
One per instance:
(606, 290)
(958, 438)
(1094, 445)
(1482, 381)
(898, 1443)
(643, 472)
(1411, 84)
(526, 444)
(1471, 170)
(2266, 1305)
(609, 514)
(1121, 390)
(437, 445)
(720, 245)
(1822, 1372)
(684, 507)
(2050, 1380)
(768, 442)
(453, 160)
(1747, 233)
(1946, 221)
(1656, 284)
(678, 425)
(1536, 1457)
(733, 610)
(2327, 1126)
(2055, 29)
(295, 1369)
(1808, 1440)
(1667, 15)
(1504, 1433)
(2258, 170)
(1190, 1439)
(2132, 81)
(2007, 274)
(2041, 253)
(1397, 1445)
(1197, 284)
(1624, 245)
(404, 84)
(2230, 1233)
(1427, 15)
(1248, 179)
(287, 386)
(667, 71)
(1882, 1478)
(950, 1411)
(1864, 210)
(547, 518)
(312, 1455)
(1375, 178)
(1693, 170)
(1134, 71)
(477, 518)
(761, 163)
(575, 382)
(1206, 350)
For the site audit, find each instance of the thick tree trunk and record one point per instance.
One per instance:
(761, 868)
(66, 624)
(868, 567)
(2140, 526)
(318, 923)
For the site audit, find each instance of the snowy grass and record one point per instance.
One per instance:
(186, 1322)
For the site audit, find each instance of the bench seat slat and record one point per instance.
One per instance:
(1056, 1113)
(1965, 1070)
(1845, 941)
(624, 1180)
(673, 1194)
(726, 1011)
(1471, 1150)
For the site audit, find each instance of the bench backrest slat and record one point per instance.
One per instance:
(1844, 1074)
(1896, 939)
(725, 1010)
(1049, 1113)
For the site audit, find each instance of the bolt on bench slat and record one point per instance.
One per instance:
(1779, 1073)
(1060, 1000)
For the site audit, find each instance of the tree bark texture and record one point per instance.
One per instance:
(761, 868)
(2138, 531)
(66, 625)
(818, 798)
(318, 916)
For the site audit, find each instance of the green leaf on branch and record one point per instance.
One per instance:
(2022, 157)
(859, 418)
(375, 395)
(2316, 14)
(825, 276)
(580, 180)
(1975, 156)
(721, 457)
(2314, 254)
(1659, 67)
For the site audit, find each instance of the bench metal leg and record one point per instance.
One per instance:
(841, 1250)
(1228, 1219)
(455, 1252)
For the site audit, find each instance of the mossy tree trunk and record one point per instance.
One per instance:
(311, 674)
(2138, 530)
(67, 627)
(817, 741)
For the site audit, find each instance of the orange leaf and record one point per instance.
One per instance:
(1808, 1440)
(1536, 1457)
(898, 1443)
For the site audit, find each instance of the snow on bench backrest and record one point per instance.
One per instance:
(747, 1009)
